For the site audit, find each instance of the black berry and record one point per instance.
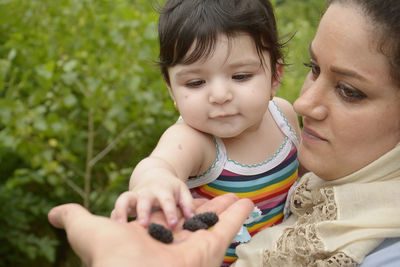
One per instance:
(209, 218)
(194, 225)
(160, 233)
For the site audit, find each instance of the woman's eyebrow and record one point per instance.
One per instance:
(346, 72)
(338, 70)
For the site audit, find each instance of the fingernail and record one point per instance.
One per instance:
(53, 217)
(172, 221)
(189, 213)
(52, 214)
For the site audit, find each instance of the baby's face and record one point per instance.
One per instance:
(227, 93)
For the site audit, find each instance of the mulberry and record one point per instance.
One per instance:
(160, 233)
(209, 218)
(201, 221)
(194, 225)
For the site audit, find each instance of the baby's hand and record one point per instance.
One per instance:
(164, 193)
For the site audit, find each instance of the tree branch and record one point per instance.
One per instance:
(73, 168)
(74, 187)
(89, 155)
(111, 145)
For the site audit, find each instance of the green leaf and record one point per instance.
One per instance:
(70, 100)
(46, 70)
(70, 65)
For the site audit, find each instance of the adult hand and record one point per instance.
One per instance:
(100, 241)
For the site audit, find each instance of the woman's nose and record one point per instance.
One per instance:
(220, 94)
(312, 101)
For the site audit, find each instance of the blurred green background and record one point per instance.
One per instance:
(81, 102)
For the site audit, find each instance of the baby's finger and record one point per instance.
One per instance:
(113, 215)
(186, 203)
(143, 209)
(124, 207)
(168, 205)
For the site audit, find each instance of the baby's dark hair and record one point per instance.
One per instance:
(384, 17)
(186, 23)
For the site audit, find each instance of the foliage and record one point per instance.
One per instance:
(81, 102)
(297, 22)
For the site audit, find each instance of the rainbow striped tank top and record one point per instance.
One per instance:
(266, 184)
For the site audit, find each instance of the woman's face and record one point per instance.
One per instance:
(349, 103)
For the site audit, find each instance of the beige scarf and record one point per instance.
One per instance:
(334, 223)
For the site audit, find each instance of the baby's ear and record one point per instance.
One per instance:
(171, 93)
(168, 84)
(277, 78)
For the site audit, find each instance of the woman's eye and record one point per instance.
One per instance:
(196, 83)
(350, 94)
(314, 69)
(242, 77)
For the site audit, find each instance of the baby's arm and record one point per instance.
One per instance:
(159, 179)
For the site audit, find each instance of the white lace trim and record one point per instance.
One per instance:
(300, 245)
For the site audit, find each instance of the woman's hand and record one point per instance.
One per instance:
(100, 241)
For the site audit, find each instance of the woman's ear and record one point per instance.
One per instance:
(276, 79)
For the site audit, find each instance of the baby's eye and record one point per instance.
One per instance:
(314, 69)
(242, 76)
(195, 84)
(350, 94)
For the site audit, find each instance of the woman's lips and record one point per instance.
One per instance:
(308, 133)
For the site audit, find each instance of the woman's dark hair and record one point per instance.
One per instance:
(186, 23)
(384, 17)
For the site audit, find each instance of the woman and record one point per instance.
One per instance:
(350, 104)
